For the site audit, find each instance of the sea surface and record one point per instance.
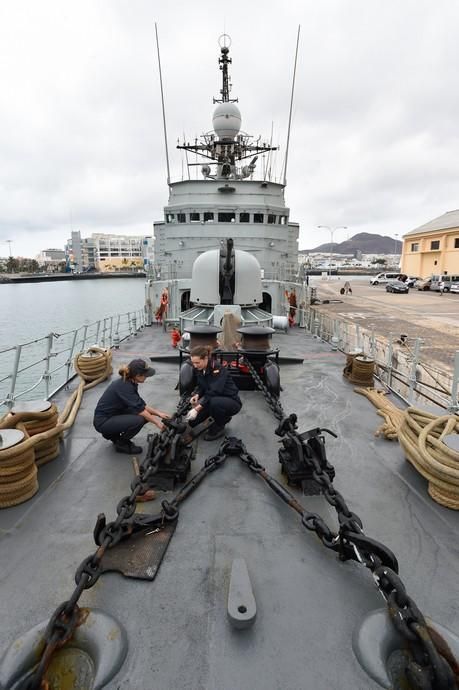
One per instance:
(32, 310)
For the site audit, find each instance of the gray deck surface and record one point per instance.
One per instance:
(308, 602)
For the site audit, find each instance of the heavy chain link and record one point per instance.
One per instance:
(428, 669)
(68, 615)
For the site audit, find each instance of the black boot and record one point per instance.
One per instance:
(123, 446)
(214, 432)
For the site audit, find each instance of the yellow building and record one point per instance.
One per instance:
(432, 248)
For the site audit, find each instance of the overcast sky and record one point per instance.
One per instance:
(374, 142)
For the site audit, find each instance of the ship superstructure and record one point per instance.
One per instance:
(234, 199)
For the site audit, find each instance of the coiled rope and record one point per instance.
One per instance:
(359, 369)
(393, 415)
(421, 436)
(42, 430)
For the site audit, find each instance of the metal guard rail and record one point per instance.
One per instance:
(44, 365)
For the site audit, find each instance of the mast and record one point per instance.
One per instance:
(224, 61)
(227, 146)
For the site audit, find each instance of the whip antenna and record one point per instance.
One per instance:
(162, 102)
(291, 106)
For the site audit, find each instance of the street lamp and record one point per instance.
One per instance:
(332, 229)
(395, 246)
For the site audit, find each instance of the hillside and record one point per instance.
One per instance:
(364, 242)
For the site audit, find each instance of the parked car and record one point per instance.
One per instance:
(443, 283)
(412, 280)
(455, 288)
(397, 286)
(424, 284)
(383, 278)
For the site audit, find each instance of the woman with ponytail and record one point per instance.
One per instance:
(216, 395)
(121, 412)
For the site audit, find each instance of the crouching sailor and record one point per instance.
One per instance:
(121, 412)
(216, 395)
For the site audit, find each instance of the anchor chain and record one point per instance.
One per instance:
(427, 669)
(68, 615)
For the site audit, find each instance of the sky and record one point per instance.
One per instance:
(374, 142)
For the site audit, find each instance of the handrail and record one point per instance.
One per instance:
(37, 355)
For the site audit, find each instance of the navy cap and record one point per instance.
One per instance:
(138, 367)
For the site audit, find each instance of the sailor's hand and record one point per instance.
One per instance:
(159, 424)
(164, 415)
(192, 414)
(194, 400)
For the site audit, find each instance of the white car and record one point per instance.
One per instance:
(383, 278)
(454, 288)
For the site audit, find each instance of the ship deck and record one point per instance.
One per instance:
(308, 602)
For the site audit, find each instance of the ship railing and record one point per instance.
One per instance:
(39, 368)
(400, 362)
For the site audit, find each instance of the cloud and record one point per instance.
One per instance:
(373, 145)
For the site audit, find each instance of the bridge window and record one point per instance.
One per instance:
(208, 216)
(456, 243)
(170, 218)
(258, 218)
(181, 217)
(415, 246)
(283, 220)
(271, 218)
(195, 217)
(226, 217)
(435, 244)
(244, 217)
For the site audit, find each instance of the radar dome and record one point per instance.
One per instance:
(226, 121)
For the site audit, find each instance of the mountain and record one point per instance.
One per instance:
(363, 242)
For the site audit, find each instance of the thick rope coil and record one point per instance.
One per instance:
(359, 369)
(421, 437)
(43, 430)
(393, 415)
(18, 473)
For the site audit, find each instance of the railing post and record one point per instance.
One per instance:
(111, 332)
(454, 407)
(103, 332)
(10, 397)
(85, 337)
(134, 324)
(70, 357)
(116, 338)
(357, 337)
(372, 344)
(335, 338)
(414, 366)
(47, 375)
(97, 332)
(390, 353)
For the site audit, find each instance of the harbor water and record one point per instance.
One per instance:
(30, 311)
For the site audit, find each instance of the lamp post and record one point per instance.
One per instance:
(332, 229)
(395, 247)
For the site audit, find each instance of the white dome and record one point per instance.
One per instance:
(226, 120)
(205, 279)
(248, 279)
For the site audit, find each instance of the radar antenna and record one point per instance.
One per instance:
(224, 42)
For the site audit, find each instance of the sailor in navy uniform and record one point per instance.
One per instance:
(121, 412)
(216, 395)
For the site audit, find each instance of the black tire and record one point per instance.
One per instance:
(375, 282)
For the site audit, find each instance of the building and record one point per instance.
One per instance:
(106, 252)
(117, 252)
(432, 248)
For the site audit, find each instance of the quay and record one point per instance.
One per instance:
(432, 316)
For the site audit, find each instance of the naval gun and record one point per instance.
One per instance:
(226, 287)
